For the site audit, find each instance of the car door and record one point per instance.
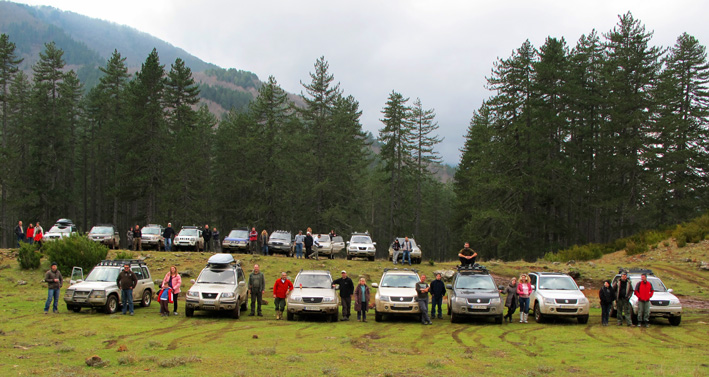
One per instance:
(138, 290)
(77, 275)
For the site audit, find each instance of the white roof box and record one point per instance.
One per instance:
(221, 258)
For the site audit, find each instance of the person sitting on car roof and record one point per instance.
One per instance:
(467, 255)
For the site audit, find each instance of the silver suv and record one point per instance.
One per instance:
(280, 241)
(220, 286)
(556, 294)
(396, 293)
(313, 294)
(360, 245)
(415, 251)
(151, 237)
(473, 293)
(100, 290)
(663, 302)
(106, 234)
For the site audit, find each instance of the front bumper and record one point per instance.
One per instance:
(406, 307)
(305, 308)
(361, 253)
(211, 305)
(235, 245)
(273, 248)
(563, 310)
(83, 299)
(477, 310)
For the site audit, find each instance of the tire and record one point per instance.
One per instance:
(455, 318)
(290, 316)
(675, 321)
(498, 319)
(147, 298)
(371, 259)
(583, 319)
(111, 305)
(243, 306)
(196, 247)
(236, 313)
(538, 316)
(378, 316)
(73, 308)
(418, 261)
(189, 312)
(349, 257)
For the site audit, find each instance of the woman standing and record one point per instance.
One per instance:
(511, 302)
(264, 242)
(361, 295)
(607, 296)
(30, 234)
(395, 247)
(524, 290)
(174, 281)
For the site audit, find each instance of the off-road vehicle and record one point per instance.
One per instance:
(663, 302)
(280, 241)
(338, 245)
(360, 245)
(415, 251)
(220, 286)
(556, 294)
(189, 238)
(106, 234)
(151, 237)
(62, 228)
(237, 240)
(325, 245)
(473, 294)
(313, 294)
(100, 291)
(396, 293)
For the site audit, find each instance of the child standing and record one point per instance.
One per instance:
(165, 298)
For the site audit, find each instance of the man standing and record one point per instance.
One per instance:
(281, 288)
(126, 283)
(407, 248)
(253, 241)
(54, 282)
(129, 238)
(207, 237)
(20, 233)
(299, 239)
(346, 291)
(623, 291)
(467, 255)
(217, 247)
(137, 238)
(438, 290)
(167, 234)
(422, 289)
(308, 242)
(315, 247)
(644, 292)
(257, 287)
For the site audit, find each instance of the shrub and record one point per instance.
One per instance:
(653, 237)
(124, 255)
(633, 248)
(28, 257)
(576, 252)
(73, 251)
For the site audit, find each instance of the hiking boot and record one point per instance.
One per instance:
(260, 314)
(251, 314)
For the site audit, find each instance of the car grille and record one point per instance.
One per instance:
(362, 248)
(402, 308)
(478, 310)
(566, 310)
(312, 300)
(660, 302)
(478, 301)
(401, 299)
(209, 295)
(79, 294)
(565, 301)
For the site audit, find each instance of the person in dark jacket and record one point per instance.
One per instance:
(395, 247)
(126, 282)
(308, 243)
(137, 238)
(217, 247)
(20, 233)
(644, 292)
(466, 255)
(361, 297)
(168, 234)
(54, 283)
(207, 238)
(607, 297)
(623, 292)
(438, 290)
(346, 291)
(511, 301)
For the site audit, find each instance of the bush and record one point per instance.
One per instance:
(633, 248)
(576, 252)
(121, 255)
(75, 251)
(28, 256)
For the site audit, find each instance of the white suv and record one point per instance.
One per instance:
(663, 302)
(396, 293)
(556, 294)
(360, 245)
(220, 286)
(313, 294)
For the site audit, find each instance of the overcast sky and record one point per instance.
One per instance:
(440, 51)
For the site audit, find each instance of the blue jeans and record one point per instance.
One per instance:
(127, 300)
(299, 250)
(168, 244)
(264, 249)
(407, 256)
(52, 294)
(30, 241)
(20, 239)
(436, 301)
(524, 305)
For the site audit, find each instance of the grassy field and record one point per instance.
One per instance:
(57, 344)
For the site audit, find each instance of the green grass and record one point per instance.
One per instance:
(207, 344)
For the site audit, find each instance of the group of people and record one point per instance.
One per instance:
(518, 293)
(32, 234)
(211, 238)
(621, 291)
(406, 248)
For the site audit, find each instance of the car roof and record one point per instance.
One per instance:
(153, 226)
(550, 273)
(314, 272)
(400, 271)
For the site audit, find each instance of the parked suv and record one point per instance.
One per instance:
(280, 241)
(62, 228)
(663, 302)
(220, 286)
(556, 294)
(396, 293)
(152, 237)
(106, 234)
(360, 245)
(189, 238)
(338, 244)
(237, 240)
(415, 251)
(325, 243)
(100, 290)
(473, 293)
(313, 294)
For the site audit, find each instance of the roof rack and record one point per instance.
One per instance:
(401, 269)
(152, 226)
(473, 268)
(645, 271)
(121, 262)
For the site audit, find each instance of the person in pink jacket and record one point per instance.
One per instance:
(173, 280)
(524, 290)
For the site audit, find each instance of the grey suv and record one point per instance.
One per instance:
(106, 234)
(220, 286)
(280, 241)
(474, 294)
(152, 237)
(313, 294)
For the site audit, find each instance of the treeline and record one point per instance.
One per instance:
(585, 144)
(140, 149)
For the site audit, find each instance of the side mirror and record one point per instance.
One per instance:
(670, 290)
(242, 283)
(533, 287)
(374, 243)
(500, 287)
(375, 285)
(581, 288)
(449, 286)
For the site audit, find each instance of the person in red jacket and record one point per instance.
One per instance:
(281, 288)
(30, 234)
(644, 292)
(253, 241)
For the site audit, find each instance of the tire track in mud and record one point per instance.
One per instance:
(588, 331)
(664, 338)
(693, 278)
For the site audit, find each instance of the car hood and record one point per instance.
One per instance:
(403, 292)
(202, 287)
(91, 285)
(554, 293)
(313, 292)
(235, 239)
(361, 244)
(662, 296)
(469, 293)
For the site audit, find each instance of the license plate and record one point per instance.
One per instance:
(312, 308)
(79, 300)
(567, 307)
(209, 302)
(401, 306)
(478, 307)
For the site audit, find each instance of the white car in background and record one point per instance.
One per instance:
(360, 245)
(63, 228)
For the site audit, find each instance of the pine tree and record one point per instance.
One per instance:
(424, 156)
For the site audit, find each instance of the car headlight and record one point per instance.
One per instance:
(461, 301)
(296, 298)
(97, 294)
(192, 294)
(549, 301)
(370, 248)
(353, 248)
(228, 295)
(69, 293)
(583, 300)
(328, 299)
(383, 298)
(674, 301)
(495, 300)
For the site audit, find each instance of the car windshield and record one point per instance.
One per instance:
(413, 242)
(400, 281)
(101, 230)
(151, 230)
(482, 282)
(657, 285)
(323, 237)
(57, 229)
(280, 237)
(238, 234)
(189, 232)
(313, 281)
(103, 274)
(213, 276)
(563, 283)
(337, 239)
(361, 239)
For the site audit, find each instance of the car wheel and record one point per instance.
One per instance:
(243, 306)
(111, 305)
(583, 319)
(538, 313)
(454, 318)
(675, 321)
(378, 316)
(371, 259)
(349, 257)
(290, 316)
(147, 298)
(498, 319)
(189, 312)
(236, 313)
